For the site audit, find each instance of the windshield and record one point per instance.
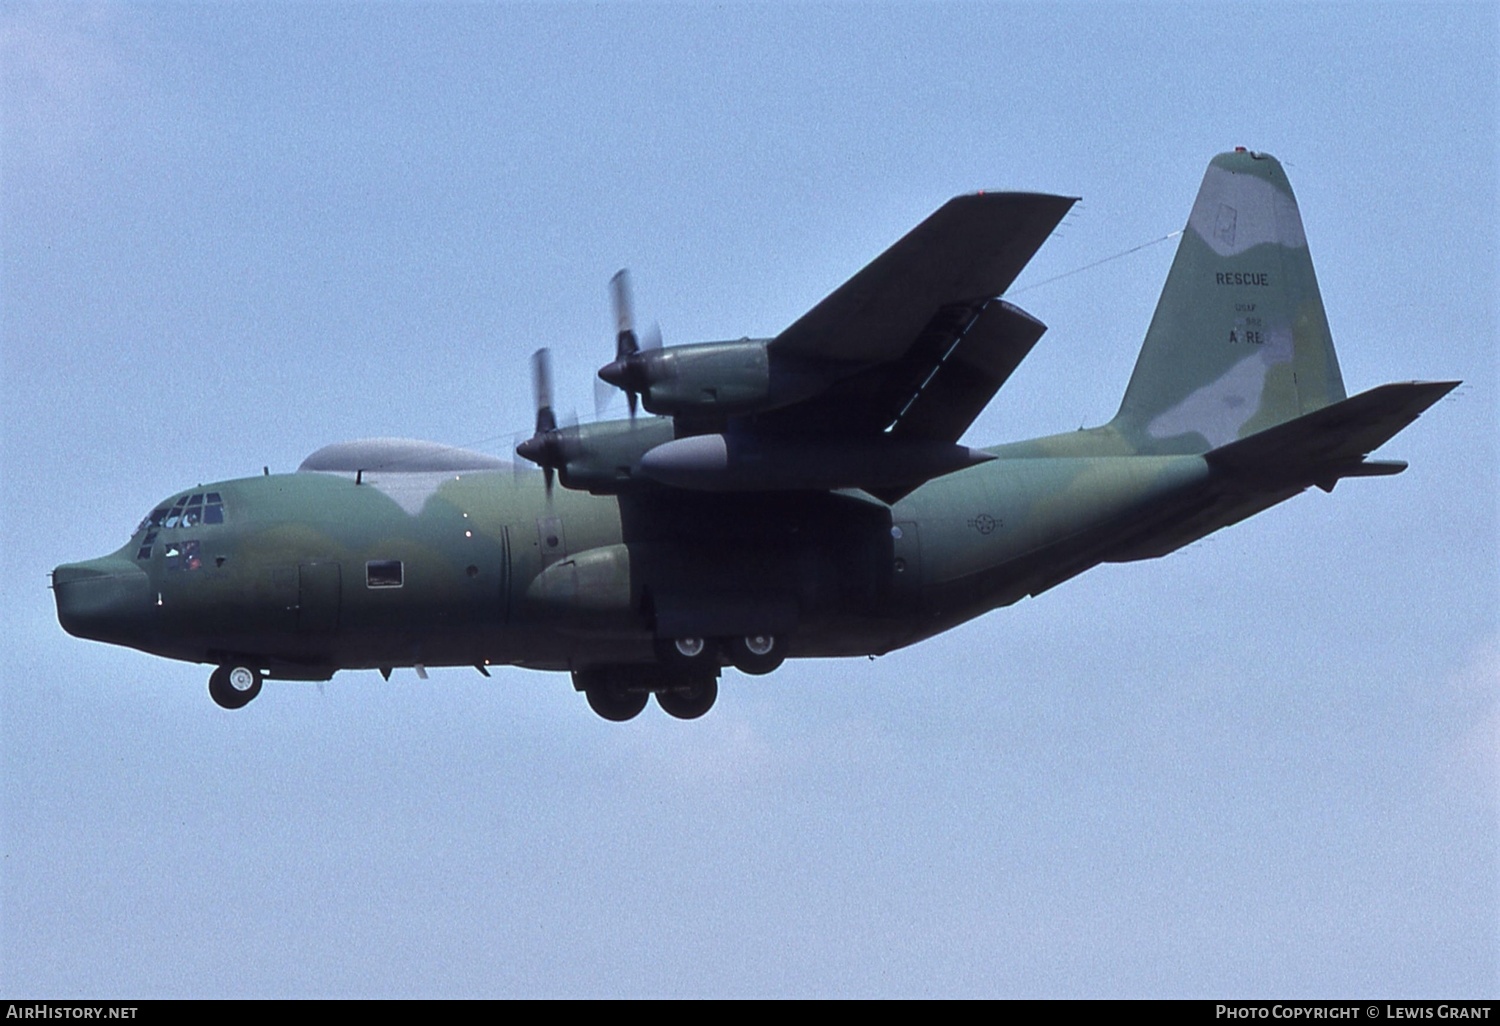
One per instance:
(187, 511)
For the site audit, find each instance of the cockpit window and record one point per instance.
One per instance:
(153, 519)
(187, 511)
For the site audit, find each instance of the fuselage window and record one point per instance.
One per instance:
(383, 573)
(182, 555)
(144, 552)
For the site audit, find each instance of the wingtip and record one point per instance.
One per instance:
(999, 195)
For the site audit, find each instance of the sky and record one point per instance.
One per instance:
(1265, 766)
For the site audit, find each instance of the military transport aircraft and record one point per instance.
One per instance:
(798, 496)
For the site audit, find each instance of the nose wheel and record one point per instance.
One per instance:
(233, 686)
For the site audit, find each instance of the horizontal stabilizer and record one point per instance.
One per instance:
(1332, 442)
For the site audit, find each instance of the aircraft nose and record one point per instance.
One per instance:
(102, 599)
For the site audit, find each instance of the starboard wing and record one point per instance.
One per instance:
(871, 388)
(933, 390)
(916, 343)
(968, 251)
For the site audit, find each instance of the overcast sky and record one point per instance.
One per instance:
(1266, 765)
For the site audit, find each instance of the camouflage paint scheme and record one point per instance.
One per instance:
(1236, 404)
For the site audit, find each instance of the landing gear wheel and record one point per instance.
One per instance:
(687, 700)
(233, 686)
(610, 699)
(685, 653)
(756, 653)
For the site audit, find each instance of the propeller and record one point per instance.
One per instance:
(626, 373)
(543, 447)
(623, 301)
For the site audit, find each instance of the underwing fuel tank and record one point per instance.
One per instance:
(726, 463)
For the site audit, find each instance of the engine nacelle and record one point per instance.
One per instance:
(599, 457)
(716, 379)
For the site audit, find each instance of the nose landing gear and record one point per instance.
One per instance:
(234, 685)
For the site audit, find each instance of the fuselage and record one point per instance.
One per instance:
(316, 571)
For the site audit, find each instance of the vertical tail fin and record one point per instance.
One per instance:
(1239, 342)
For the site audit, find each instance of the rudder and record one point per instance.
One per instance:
(1239, 341)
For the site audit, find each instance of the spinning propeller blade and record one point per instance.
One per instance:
(541, 447)
(626, 373)
(624, 306)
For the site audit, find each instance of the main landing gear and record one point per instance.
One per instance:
(689, 699)
(684, 677)
(611, 695)
(754, 654)
(234, 685)
(619, 693)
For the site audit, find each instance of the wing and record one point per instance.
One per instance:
(933, 390)
(916, 343)
(970, 250)
(870, 389)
